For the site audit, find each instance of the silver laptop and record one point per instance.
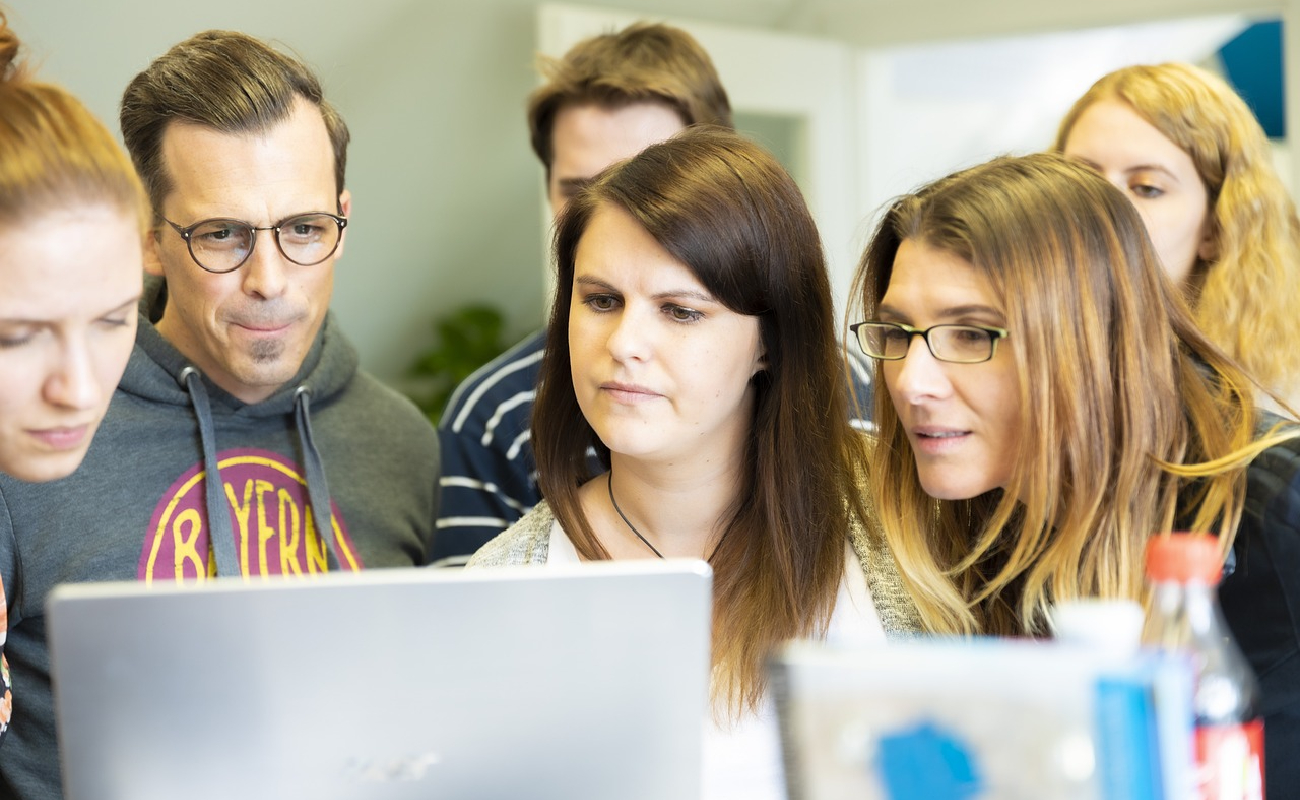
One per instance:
(588, 681)
(985, 718)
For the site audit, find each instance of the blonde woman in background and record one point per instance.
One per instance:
(1190, 155)
(72, 224)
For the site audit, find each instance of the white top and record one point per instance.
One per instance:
(743, 761)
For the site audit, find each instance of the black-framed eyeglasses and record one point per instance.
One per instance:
(958, 344)
(223, 245)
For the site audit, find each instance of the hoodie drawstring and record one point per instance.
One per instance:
(318, 491)
(220, 531)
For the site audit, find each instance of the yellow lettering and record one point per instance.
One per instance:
(242, 511)
(265, 532)
(185, 536)
(290, 527)
(315, 546)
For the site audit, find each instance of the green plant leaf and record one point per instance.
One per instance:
(466, 339)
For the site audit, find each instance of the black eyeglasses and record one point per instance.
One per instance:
(223, 245)
(958, 344)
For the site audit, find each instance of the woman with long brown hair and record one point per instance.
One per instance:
(1051, 404)
(692, 344)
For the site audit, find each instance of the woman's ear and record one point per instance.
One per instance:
(1208, 249)
(760, 357)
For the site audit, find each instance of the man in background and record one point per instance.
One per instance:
(238, 371)
(607, 99)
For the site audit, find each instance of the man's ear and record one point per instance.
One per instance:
(345, 206)
(152, 259)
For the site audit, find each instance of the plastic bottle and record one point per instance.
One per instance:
(1229, 736)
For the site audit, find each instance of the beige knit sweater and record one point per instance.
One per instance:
(528, 542)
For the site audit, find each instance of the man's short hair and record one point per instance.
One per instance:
(227, 81)
(642, 63)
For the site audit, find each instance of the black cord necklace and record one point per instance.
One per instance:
(610, 484)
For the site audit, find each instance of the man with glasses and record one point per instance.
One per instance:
(238, 371)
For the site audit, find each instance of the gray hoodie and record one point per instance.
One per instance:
(138, 508)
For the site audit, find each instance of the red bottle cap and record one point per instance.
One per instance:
(1184, 557)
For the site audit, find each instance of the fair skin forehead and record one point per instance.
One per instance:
(67, 327)
(47, 276)
(258, 177)
(962, 420)
(1157, 176)
(586, 139)
(248, 330)
(929, 286)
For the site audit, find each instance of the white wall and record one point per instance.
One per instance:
(931, 109)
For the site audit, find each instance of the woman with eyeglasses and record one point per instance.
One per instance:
(1190, 155)
(1051, 404)
(72, 223)
(692, 344)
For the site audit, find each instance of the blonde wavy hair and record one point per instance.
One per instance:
(1243, 299)
(1133, 422)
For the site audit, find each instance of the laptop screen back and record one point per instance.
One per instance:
(588, 681)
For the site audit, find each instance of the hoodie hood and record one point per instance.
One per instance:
(154, 371)
(159, 373)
